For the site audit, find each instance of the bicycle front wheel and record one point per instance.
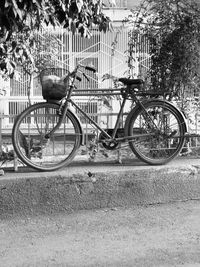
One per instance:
(159, 132)
(35, 147)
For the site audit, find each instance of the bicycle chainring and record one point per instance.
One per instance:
(109, 145)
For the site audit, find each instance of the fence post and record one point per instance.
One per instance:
(15, 162)
(0, 134)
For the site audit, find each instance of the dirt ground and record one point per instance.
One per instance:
(158, 235)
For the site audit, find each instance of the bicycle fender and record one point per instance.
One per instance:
(137, 107)
(183, 118)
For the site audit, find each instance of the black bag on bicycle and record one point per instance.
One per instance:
(53, 86)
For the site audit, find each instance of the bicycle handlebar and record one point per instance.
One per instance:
(90, 68)
(75, 71)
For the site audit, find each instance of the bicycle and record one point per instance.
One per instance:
(46, 136)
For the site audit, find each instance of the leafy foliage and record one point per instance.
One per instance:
(173, 30)
(73, 14)
(18, 18)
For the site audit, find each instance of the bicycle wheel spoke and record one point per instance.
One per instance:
(34, 148)
(165, 129)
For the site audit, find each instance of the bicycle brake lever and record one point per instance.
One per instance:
(90, 68)
(78, 78)
(86, 77)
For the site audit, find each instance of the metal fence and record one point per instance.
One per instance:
(91, 107)
(10, 160)
(98, 51)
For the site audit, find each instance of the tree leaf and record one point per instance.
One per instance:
(79, 4)
(7, 3)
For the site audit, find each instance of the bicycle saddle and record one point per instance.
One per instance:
(127, 81)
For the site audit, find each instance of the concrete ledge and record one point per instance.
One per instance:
(30, 193)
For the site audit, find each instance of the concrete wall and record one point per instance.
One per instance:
(133, 3)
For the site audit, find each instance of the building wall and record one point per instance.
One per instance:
(133, 3)
(121, 3)
(120, 9)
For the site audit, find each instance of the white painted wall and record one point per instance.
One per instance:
(133, 3)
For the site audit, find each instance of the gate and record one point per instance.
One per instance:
(98, 51)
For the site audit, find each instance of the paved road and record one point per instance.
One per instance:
(156, 235)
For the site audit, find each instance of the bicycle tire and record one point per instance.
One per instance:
(163, 143)
(38, 152)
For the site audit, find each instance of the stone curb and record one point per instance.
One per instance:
(41, 193)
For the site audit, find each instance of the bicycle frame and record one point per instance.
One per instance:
(68, 100)
(110, 137)
(95, 124)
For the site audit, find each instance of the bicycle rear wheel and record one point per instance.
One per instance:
(161, 129)
(31, 143)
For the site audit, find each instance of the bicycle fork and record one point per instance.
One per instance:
(61, 112)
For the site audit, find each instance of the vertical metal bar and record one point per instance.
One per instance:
(120, 114)
(1, 134)
(196, 130)
(65, 133)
